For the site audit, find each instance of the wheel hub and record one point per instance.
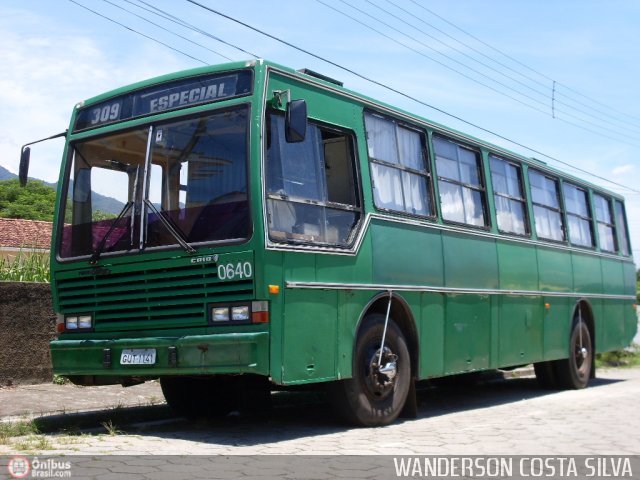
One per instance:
(382, 376)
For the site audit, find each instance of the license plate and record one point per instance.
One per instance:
(138, 356)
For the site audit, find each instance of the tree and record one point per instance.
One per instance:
(36, 201)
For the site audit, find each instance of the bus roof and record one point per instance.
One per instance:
(325, 82)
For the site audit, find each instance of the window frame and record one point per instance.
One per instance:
(612, 226)
(426, 174)
(589, 219)
(482, 189)
(560, 210)
(145, 123)
(522, 200)
(623, 232)
(359, 208)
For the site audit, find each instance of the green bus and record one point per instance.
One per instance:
(241, 228)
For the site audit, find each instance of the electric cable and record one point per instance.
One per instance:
(139, 33)
(406, 95)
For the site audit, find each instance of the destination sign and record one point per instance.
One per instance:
(165, 97)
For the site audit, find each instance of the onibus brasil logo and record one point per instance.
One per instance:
(20, 467)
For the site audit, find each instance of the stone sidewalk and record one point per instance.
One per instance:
(49, 398)
(499, 417)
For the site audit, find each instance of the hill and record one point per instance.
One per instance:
(6, 174)
(101, 202)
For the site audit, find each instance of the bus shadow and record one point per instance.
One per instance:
(294, 415)
(452, 398)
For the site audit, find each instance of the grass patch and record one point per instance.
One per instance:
(23, 436)
(58, 380)
(111, 429)
(629, 357)
(27, 266)
(32, 443)
(11, 430)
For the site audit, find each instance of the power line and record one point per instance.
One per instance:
(139, 33)
(475, 80)
(405, 95)
(164, 28)
(167, 16)
(618, 123)
(515, 60)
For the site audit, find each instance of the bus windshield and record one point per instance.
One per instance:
(192, 172)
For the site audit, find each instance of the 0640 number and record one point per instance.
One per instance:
(233, 271)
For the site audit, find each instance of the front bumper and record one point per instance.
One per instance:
(194, 355)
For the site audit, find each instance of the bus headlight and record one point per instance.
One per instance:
(78, 322)
(220, 314)
(84, 321)
(71, 323)
(240, 313)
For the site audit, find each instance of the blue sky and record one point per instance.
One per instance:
(55, 53)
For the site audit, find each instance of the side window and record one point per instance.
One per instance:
(546, 206)
(311, 186)
(398, 166)
(606, 230)
(578, 215)
(462, 194)
(508, 194)
(621, 220)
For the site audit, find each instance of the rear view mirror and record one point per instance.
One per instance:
(296, 121)
(23, 172)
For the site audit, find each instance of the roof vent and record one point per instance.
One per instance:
(311, 73)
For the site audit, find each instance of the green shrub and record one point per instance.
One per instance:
(628, 357)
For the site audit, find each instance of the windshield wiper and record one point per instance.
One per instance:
(172, 230)
(96, 254)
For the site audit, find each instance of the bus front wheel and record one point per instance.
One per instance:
(377, 391)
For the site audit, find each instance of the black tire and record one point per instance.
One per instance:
(371, 398)
(194, 397)
(574, 372)
(546, 375)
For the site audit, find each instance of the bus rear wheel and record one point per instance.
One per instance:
(575, 371)
(378, 390)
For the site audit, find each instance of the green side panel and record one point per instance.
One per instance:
(467, 333)
(349, 311)
(345, 269)
(631, 322)
(418, 250)
(432, 334)
(494, 359)
(272, 275)
(470, 264)
(597, 307)
(557, 323)
(612, 277)
(521, 330)
(587, 274)
(310, 336)
(629, 274)
(518, 266)
(555, 271)
(615, 332)
(299, 267)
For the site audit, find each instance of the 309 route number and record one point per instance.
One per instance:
(233, 271)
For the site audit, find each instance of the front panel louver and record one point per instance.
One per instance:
(156, 297)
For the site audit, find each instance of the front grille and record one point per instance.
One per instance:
(154, 297)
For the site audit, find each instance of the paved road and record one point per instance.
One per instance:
(504, 417)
